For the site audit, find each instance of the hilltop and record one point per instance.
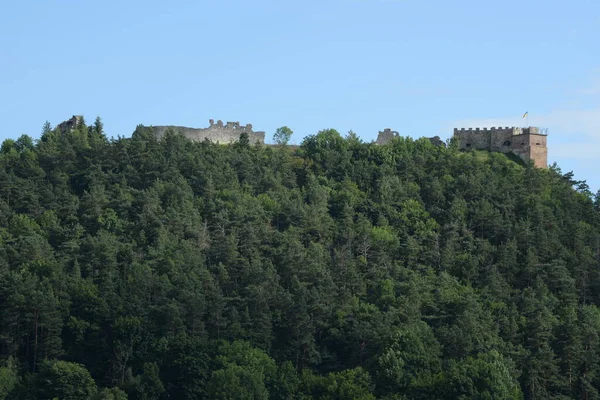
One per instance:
(148, 268)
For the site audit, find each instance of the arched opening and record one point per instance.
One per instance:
(468, 145)
(507, 143)
(537, 144)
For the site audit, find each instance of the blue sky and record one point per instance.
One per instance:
(418, 67)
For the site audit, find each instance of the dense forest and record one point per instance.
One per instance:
(133, 268)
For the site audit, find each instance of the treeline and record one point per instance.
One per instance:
(132, 268)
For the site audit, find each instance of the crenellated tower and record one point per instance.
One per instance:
(528, 143)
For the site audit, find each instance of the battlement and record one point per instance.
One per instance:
(216, 132)
(512, 130)
(229, 125)
(529, 143)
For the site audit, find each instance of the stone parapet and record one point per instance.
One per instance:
(216, 132)
(528, 142)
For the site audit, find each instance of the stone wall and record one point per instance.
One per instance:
(483, 138)
(70, 124)
(216, 132)
(528, 143)
(531, 146)
(501, 139)
(386, 136)
(538, 150)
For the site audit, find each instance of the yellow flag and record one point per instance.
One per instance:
(526, 114)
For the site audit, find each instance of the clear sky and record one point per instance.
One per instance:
(420, 67)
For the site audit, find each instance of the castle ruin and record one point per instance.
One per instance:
(527, 143)
(70, 124)
(386, 136)
(216, 132)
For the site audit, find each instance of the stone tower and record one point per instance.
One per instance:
(528, 143)
(385, 136)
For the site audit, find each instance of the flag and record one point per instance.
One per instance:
(526, 114)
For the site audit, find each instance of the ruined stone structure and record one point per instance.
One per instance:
(216, 132)
(385, 136)
(528, 143)
(70, 124)
(437, 141)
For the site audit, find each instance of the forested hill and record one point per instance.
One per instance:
(144, 269)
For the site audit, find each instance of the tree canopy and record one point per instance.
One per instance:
(137, 268)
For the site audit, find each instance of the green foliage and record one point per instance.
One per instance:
(8, 377)
(351, 384)
(8, 145)
(110, 394)
(282, 135)
(487, 376)
(412, 360)
(241, 372)
(185, 368)
(64, 380)
(337, 270)
(235, 382)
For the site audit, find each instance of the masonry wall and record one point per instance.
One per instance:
(520, 146)
(473, 139)
(527, 143)
(530, 146)
(501, 140)
(216, 132)
(386, 136)
(70, 124)
(539, 150)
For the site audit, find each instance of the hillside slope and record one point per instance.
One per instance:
(144, 269)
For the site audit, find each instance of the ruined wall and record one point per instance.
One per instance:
(437, 141)
(70, 124)
(528, 143)
(216, 132)
(385, 136)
